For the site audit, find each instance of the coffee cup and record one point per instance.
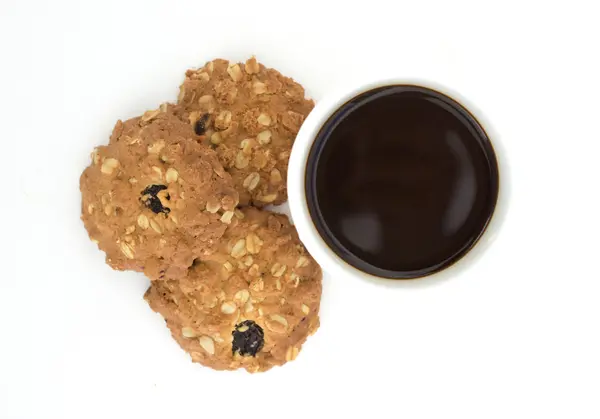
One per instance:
(397, 179)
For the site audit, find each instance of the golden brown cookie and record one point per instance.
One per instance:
(153, 197)
(252, 115)
(251, 304)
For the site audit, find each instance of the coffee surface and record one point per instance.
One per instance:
(402, 181)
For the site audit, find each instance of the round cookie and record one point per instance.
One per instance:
(251, 304)
(153, 198)
(251, 114)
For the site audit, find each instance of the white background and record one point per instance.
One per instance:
(516, 336)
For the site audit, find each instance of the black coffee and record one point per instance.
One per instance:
(402, 181)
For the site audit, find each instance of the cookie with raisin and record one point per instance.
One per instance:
(250, 114)
(153, 199)
(252, 303)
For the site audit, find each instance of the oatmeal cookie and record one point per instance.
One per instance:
(251, 115)
(251, 304)
(153, 198)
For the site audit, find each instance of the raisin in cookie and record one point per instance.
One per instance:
(249, 305)
(252, 115)
(152, 197)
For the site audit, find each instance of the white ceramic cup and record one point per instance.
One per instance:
(324, 255)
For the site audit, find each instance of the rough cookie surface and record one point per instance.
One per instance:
(251, 114)
(249, 305)
(154, 199)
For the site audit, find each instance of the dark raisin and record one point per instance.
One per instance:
(200, 127)
(248, 338)
(153, 190)
(155, 205)
(151, 200)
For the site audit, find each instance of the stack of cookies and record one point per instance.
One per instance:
(178, 193)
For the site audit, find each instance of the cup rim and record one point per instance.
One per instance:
(307, 231)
